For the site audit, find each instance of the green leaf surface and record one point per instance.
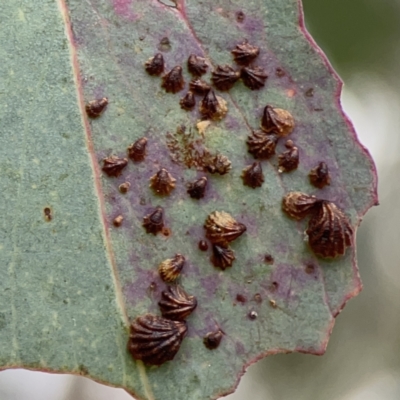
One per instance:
(71, 285)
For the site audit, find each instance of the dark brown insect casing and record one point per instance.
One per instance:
(188, 102)
(154, 222)
(162, 182)
(329, 231)
(173, 81)
(197, 66)
(221, 228)
(262, 145)
(298, 205)
(289, 160)
(155, 65)
(176, 304)
(197, 189)
(213, 107)
(96, 107)
(245, 53)
(199, 86)
(254, 78)
(277, 120)
(222, 257)
(319, 176)
(154, 339)
(171, 268)
(253, 175)
(212, 340)
(137, 150)
(113, 166)
(224, 77)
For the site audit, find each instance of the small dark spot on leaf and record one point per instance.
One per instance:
(274, 286)
(280, 72)
(152, 286)
(118, 221)
(309, 92)
(213, 339)
(240, 298)
(258, 298)
(203, 245)
(268, 259)
(164, 45)
(309, 269)
(47, 214)
(166, 231)
(240, 16)
(124, 187)
(107, 287)
(253, 315)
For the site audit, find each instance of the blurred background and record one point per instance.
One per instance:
(362, 40)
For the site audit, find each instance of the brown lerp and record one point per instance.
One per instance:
(245, 53)
(95, 108)
(253, 175)
(155, 65)
(221, 228)
(222, 256)
(262, 145)
(176, 304)
(298, 205)
(253, 77)
(277, 120)
(137, 150)
(154, 339)
(171, 268)
(162, 182)
(173, 81)
(154, 222)
(329, 230)
(113, 166)
(224, 77)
